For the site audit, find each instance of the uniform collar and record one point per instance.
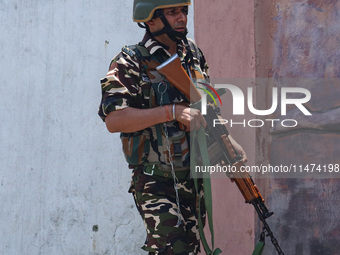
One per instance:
(154, 46)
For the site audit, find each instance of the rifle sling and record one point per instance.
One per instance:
(258, 248)
(202, 145)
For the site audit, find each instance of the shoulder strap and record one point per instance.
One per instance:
(137, 50)
(144, 53)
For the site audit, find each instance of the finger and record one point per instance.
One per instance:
(198, 122)
(193, 124)
(203, 122)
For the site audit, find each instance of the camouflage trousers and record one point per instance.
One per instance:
(155, 199)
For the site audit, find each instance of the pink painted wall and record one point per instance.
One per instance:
(224, 30)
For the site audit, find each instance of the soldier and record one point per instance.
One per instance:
(155, 123)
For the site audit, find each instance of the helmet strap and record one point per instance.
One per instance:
(151, 34)
(141, 25)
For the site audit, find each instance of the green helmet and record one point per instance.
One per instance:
(143, 10)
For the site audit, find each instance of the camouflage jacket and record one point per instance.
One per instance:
(132, 81)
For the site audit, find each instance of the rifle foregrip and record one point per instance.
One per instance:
(228, 146)
(245, 184)
(242, 179)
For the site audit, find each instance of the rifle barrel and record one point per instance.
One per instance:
(266, 228)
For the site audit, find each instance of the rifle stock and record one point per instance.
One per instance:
(178, 77)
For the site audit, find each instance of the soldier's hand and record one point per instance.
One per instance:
(239, 149)
(191, 118)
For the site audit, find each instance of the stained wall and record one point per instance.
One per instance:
(303, 40)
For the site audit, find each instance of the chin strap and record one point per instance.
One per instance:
(141, 25)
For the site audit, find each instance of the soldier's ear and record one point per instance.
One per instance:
(150, 23)
(154, 22)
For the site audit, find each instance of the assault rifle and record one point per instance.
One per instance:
(221, 149)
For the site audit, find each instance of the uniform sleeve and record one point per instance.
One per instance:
(120, 86)
(203, 64)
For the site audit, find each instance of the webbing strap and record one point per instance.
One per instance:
(258, 248)
(202, 145)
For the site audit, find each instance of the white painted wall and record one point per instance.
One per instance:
(61, 172)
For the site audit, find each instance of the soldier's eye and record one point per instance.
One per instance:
(178, 10)
(172, 12)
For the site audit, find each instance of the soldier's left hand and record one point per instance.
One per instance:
(191, 118)
(239, 149)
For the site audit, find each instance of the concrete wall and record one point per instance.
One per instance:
(63, 177)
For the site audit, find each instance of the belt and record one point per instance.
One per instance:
(165, 171)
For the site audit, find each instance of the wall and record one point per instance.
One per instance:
(266, 44)
(225, 33)
(63, 177)
(297, 46)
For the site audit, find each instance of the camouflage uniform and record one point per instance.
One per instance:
(132, 81)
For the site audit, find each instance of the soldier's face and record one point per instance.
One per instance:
(176, 16)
